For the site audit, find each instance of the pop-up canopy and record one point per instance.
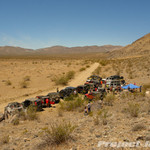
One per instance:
(131, 86)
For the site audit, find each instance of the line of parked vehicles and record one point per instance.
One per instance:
(91, 89)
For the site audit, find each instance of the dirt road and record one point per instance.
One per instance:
(78, 80)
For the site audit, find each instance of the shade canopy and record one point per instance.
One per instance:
(131, 86)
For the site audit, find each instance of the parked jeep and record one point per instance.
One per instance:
(66, 92)
(54, 97)
(32, 101)
(12, 108)
(94, 77)
(83, 89)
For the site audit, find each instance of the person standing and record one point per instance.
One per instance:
(89, 107)
(85, 111)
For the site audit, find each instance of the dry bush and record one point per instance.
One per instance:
(24, 84)
(62, 80)
(87, 66)
(109, 99)
(15, 121)
(59, 132)
(8, 82)
(139, 127)
(72, 103)
(97, 70)
(82, 69)
(32, 113)
(60, 112)
(70, 74)
(26, 78)
(4, 139)
(103, 113)
(96, 120)
(133, 109)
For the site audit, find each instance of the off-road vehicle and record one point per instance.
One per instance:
(32, 101)
(12, 108)
(54, 97)
(83, 89)
(66, 92)
(94, 77)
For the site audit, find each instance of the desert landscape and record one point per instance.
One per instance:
(127, 117)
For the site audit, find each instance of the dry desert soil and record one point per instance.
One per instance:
(122, 123)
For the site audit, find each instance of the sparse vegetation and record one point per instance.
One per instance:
(103, 113)
(24, 84)
(32, 112)
(8, 82)
(5, 139)
(133, 109)
(26, 78)
(59, 132)
(82, 69)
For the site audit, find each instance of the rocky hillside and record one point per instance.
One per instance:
(10, 50)
(137, 48)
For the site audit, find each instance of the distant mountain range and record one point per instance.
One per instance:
(138, 48)
(10, 50)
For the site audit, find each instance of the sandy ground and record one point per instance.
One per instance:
(79, 79)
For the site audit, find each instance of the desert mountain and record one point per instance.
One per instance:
(10, 50)
(137, 48)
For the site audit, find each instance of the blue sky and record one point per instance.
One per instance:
(44, 23)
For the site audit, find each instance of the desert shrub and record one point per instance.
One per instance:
(103, 63)
(32, 112)
(97, 70)
(8, 82)
(70, 74)
(133, 109)
(62, 80)
(139, 127)
(96, 120)
(69, 98)
(60, 112)
(15, 121)
(72, 103)
(90, 114)
(103, 113)
(24, 84)
(82, 69)
(87, 66)
(5, 139)
(26, 78)
(59, 132)
(109, 99)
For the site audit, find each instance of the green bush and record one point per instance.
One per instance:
(60, 132)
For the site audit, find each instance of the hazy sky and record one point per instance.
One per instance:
(44, 23)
